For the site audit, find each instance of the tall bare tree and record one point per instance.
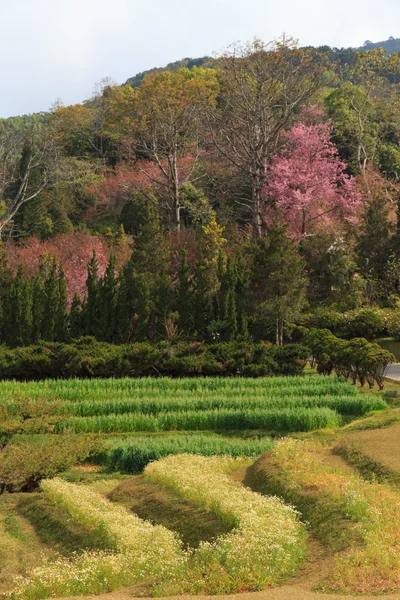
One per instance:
(262, 87)
(163, 121)
(24, 152)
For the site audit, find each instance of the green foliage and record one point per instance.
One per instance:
(88, 358)
(23, 465)
(132, 455)
(356, 359)
(277, 282)
(187, 63)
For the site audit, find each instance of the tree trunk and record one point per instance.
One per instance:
(176, 207)
(256, 197)
(279, 331)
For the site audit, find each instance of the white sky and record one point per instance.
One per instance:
(59, 49)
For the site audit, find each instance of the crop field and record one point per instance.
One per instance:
(264, 546)
(196, 486)
(133, 454)
(371, 561)
(281, 405)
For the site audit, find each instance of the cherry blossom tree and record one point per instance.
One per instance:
(308, 181)
(72, 251)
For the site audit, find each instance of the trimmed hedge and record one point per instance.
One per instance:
(87, 357)
(367, 323)
(357, 359)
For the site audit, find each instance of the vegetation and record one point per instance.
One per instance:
(267, 540)
(88, 358)
(176, 256)
(372, 567)
(133, 454)
(211, 201)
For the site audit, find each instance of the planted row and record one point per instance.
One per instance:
(132, 455)
(345, 405)
(267, 540)
(138, 549)
(274, 419)
(165, 387)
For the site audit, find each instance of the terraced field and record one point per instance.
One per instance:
(187, 525)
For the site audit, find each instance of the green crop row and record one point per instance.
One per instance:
(275, 419)
(345, 405)
(163, 387)
(132, 455)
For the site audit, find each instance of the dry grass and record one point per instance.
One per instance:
(374, 452)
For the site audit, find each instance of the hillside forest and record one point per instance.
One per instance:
(246, 197)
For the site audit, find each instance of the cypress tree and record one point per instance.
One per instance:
(91, 306)
(50, 304)
(184, 293)
(75, 318)
(61, 326)
(18, 331)
(37, 309)
(107, 303)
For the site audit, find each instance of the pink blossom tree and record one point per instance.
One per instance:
(308, 181)
(72, 251)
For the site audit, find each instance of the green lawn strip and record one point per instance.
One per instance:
(276, 419)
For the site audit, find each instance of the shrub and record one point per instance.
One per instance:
(23, 465)
(88, 358)
(357, 359)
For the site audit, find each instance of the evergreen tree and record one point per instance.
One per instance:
(277, 283)
(18, 330)
(375, 244)
(50, 303)
(242, 281)
(37, 309)
(184, 293)
(92, 318)
(61, 326)
(75, 318)
(107, 303)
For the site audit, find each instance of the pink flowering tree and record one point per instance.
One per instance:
(73, 251)
(308, 181)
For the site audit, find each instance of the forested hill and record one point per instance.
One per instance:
(392, 45)
(204, 61)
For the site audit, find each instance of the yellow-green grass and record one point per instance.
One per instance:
(336, 496)
(265, 545)
(374, 452)
(31, 529)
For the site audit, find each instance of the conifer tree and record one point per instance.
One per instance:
(50, 303)
(75, 318)
(61, 326)
(19, 312)
(107, 303)
(37, 309)
(184, 293)
(92, 319)
(277, 285)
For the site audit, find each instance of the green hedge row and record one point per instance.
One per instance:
(87, 357)
(357, 359)
(364, 322)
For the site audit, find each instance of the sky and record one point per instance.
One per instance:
(54, 50)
